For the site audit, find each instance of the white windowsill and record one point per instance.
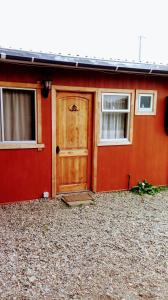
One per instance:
(145, 113)
(114, 142)
(21, 146)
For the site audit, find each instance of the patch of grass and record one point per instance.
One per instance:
(163, 188)
(144, 187)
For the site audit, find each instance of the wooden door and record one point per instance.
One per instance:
(74, 136)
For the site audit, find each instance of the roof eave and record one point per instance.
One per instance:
(38, 59)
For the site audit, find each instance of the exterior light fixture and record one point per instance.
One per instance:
(45, 87)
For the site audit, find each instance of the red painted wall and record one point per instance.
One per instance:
(25, 174)
(147, 157)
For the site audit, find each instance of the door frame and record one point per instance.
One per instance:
(95, 130)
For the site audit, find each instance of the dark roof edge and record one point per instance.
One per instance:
(38, 58)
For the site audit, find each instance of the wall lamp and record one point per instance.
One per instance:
(45, 87)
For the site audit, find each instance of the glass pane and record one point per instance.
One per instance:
(115, 101)
(19, 115)
(145, 101)
(114, 125)
(0, 124)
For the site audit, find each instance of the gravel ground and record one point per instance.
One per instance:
(114, 249)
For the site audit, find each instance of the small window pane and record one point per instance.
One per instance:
(145, 102)
(114, 125)
(19, 115)
(112, 102)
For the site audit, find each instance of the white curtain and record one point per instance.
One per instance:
(113, 125)
(19, 115)
(115, 102)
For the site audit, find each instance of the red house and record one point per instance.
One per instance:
(71, 124)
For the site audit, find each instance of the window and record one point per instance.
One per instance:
(145, 102)
(17, 115)
(115, 118)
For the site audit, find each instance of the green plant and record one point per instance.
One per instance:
(144, 187)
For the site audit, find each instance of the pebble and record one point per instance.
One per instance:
(32, 278)
(115, 249)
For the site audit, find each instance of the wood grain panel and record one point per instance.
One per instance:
(75, 152)
(73, 125)
(74, 130)
(72, 170)
(73, 187)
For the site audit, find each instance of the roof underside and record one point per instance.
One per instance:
(77, 62)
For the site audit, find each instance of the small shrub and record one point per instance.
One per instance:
(144, 187)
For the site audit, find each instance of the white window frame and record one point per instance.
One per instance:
(129, 110)
(116, 110)
(2, 116)
(146, 111)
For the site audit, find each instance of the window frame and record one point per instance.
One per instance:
(129, 111)
(146, 111)
(37, 143)
(116, 110)
(2, 116)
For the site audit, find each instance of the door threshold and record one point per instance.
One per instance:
(74, 192)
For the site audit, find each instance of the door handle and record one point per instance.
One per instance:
(57, 149)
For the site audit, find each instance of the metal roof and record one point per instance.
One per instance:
(68, 61)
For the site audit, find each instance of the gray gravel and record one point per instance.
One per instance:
(114, 249)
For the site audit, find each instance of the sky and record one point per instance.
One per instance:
(95, 28)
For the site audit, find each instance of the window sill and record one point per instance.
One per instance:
(21, 146)
(114, 143)
(145, 113)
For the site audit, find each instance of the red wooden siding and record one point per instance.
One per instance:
(26, 173)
